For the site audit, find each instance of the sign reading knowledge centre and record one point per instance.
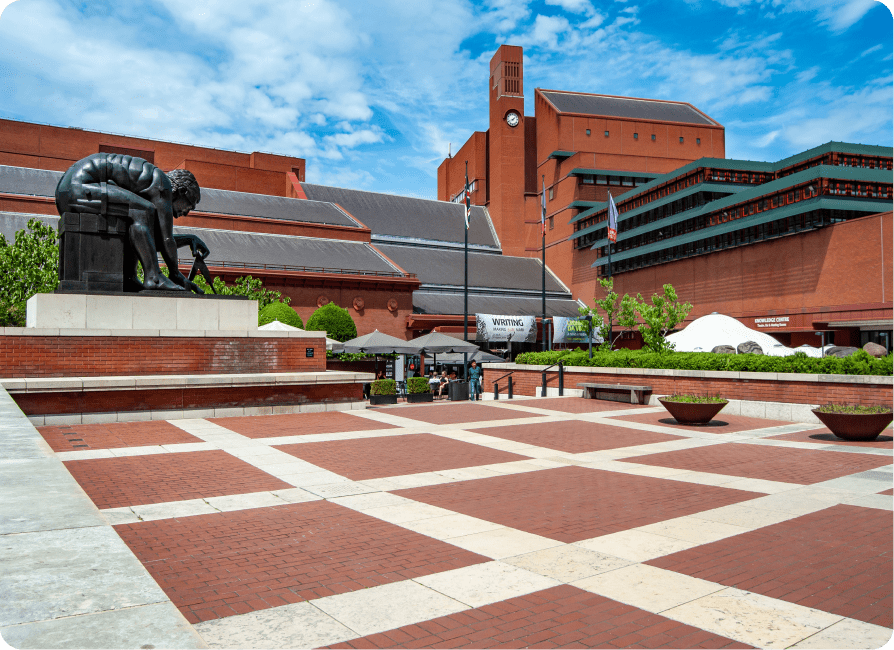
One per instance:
(492, 327)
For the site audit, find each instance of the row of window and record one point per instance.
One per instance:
(460, 197)
(779, 228)
(604, 179)
(654, 137)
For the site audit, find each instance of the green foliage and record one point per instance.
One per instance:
(416, 385)
(335, 321)
(251, 288)
(281, 312)
(659, 318)
(855, 409)
(619, 317)
(695, 399)
(859, 363)
(28, 266)
(383, 387)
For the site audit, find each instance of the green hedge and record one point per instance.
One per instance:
(859, 363)
(416, 385)
(335, 321)
(281, 312)
(383, 387)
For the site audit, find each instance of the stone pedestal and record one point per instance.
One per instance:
(93, 252)
(142, 311)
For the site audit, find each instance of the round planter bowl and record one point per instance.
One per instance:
(855, 427)
(692, 413)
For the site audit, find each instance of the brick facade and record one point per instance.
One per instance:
(748, 386)
(103, 356)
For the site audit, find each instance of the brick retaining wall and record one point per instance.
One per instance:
(105, 356)
(751, 386)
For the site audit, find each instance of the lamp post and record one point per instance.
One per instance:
(822, 343)
(590, 333)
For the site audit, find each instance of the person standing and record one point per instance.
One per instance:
(474, 381)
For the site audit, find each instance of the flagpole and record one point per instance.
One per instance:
(610, 332)
(543, 260)
(467, 206)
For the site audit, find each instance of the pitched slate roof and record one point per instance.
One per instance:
(436, 302)
(640, 109)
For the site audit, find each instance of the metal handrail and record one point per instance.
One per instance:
(561, 379)
(494, 381)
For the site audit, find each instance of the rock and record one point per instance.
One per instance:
(840, 351)
(749, 347)
(723, 349)
(875, 350)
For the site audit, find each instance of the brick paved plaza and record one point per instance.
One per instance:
(556, 522)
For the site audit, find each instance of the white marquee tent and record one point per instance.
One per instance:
(705, 333)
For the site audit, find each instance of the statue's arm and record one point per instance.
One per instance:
(196, 245)
(160, 196)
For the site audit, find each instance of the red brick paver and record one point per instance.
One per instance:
(457, 413)
(212, 566)
(298, 424)
(560, 617)
(569, 504)
(368, 458)
(822, 436)
(575, 436)
(837, 560)
(888, 491)
(721, 423)
(157, 478)
(582, 405)
(114, 435)
(803, 466)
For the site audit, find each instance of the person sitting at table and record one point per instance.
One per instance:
(433, 381)
(444, 383)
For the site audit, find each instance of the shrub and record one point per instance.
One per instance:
(859, 363)
(417, 385)
(695, 399)
(383, 387)
(335, 321)
(28, 265)
(855, 409)
(281, 312)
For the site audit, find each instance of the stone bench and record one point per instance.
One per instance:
(617, 393)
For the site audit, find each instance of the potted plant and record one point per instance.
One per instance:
(693, 409)
(383, 391)
(418, 390)
(855, 422)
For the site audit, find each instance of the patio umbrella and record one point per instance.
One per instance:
(378, 343)
(480, 356)
(276, 326)
(437, 343)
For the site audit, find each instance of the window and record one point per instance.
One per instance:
(681, 139)
(698, 141)
(588, 131)
(601, 179)
(551, 223)
(653, 137)
(606, 134)
(636, 136)
(552, 194)
(588, 179)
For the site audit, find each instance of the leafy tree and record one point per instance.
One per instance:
(252, 288)
(622, 315)
(28, 266)
(659, 318)
(281, 312)
(335, 321)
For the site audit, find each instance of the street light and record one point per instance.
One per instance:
(590, 333)
(822, 344)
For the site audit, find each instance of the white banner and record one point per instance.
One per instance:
(492, 327)
(572, 330)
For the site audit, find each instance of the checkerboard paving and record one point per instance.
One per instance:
(570, 504)
(158, 478)
(541, 533)
(838, 560)
(559, 617)
(782, 464)
(298, 424)
(219, 565)
(822, 436)
(396, 455)
(457, 413)
(575, 436)
(721, 423)
(114, 436)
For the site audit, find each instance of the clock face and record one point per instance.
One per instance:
(512, 118)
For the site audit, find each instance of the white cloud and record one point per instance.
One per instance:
(573, 6)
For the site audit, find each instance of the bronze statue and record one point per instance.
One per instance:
(136, 204)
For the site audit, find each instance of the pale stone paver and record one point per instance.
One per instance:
(568, 563)
(635, 545)
(490, 582)
(503, 542)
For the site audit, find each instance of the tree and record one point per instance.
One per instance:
(335, 321)
(623, 315)
(28, 266)
(281, 312)
(659, 318)
(247, 286)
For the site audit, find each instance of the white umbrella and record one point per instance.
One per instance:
(276, 326)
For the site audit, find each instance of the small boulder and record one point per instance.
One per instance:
(875, 350)
(723, 349)
(840, 351)
(749, 347)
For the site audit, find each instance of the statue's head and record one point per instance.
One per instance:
(185, 188)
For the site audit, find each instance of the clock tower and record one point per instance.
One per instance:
(506, 149)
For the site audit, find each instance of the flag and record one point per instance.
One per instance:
(467, 191)
(612, 219)
(543, 207)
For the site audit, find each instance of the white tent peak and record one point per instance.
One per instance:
(705, 333)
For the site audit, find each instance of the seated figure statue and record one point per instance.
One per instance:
(147, 200)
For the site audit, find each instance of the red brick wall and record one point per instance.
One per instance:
(793, 392)
(452, 171)
(101, 356)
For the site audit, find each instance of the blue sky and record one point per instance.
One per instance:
(371, 93)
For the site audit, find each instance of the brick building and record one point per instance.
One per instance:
(395, 262)
(794, 247)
